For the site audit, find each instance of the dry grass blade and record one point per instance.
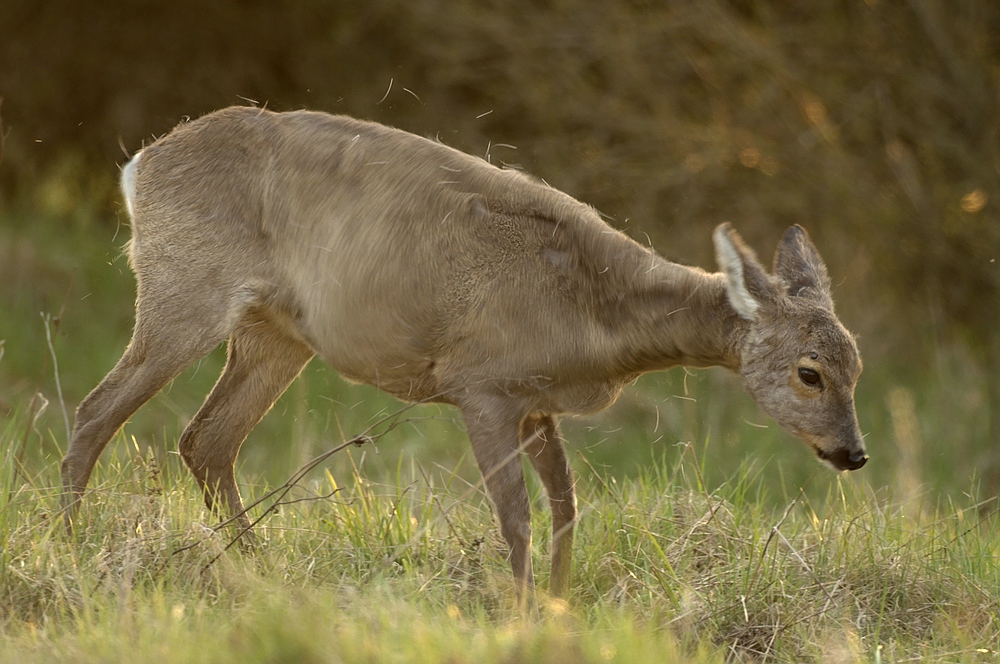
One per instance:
(774, 531)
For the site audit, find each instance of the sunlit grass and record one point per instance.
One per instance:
(413, 569)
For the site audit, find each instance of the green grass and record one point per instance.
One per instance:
(413, 570)
(706, 534)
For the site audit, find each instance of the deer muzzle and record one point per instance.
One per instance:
(844, 459)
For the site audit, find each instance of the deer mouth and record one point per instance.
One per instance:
(843, 459)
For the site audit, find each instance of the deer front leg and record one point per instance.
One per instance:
(543, 446)
(493, 431)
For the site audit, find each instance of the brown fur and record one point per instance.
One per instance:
(434, 275)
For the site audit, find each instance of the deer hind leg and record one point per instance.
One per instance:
(262, 361)
(544, 448)
(170, 333)
(493, 432)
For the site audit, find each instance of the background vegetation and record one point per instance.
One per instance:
(873, 123)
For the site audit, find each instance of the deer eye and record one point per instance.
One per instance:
(810, 377)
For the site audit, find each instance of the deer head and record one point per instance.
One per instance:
(796, 359)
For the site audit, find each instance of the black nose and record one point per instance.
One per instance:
(843, 459)
(856, 460)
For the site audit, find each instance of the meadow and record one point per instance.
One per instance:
(706, 533)
(411, 569)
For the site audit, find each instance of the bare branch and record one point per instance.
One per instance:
(367, 436)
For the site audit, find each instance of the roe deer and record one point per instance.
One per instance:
(434, 275)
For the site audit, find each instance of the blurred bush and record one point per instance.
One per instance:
(874, 123)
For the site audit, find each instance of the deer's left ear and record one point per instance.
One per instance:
(799, 266)
(747, 283)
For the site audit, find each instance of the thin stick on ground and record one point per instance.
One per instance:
(296, 477)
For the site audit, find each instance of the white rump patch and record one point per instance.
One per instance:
(128, 182)
(731, 262)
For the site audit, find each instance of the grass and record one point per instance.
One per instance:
(731, 548)
(413, 570)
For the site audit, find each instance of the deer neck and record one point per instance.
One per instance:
(679, 316)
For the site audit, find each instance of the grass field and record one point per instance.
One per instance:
(706, 533)
(413, 570)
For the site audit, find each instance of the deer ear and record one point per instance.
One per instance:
(800, 267)
(747, 283)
